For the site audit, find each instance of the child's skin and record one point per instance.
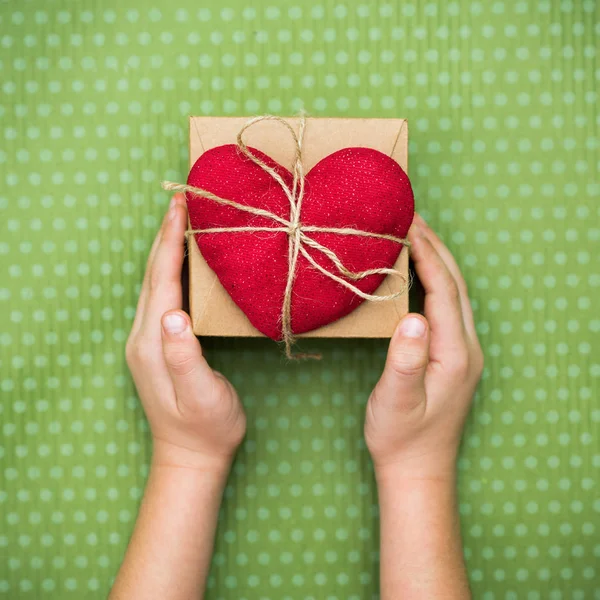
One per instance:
(414, 422)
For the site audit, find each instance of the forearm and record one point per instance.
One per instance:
(171, 546)
(421, 550)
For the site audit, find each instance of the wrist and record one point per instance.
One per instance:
(423, 491)
(166, 455)
(403, 470)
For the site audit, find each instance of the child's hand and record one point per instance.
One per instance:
(197, 423)
(417, 410)
(415, 418)
(195, 415)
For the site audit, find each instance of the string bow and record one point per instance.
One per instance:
(298, 238)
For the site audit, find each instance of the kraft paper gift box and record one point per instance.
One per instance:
(212, 310)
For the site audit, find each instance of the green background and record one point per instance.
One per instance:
(500, 97)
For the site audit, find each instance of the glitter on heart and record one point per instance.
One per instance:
(297, 251)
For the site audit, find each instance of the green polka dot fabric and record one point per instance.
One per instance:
(501, 99)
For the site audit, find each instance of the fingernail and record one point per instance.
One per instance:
(172, 211)
(172, 203)
(412, 327)
(418, 230)
(174, 323)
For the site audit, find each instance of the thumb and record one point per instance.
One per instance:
(402, 382)
(189, 371)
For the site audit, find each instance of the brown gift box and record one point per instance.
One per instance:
(212, 310)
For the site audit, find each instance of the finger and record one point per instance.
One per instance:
(402, 383)
(189, 371)
(442, 298)
(139, 311)
(164, 290)
(453, 267)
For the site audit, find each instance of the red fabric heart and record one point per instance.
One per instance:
(360, 188)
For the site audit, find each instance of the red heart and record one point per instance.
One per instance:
(360, 188)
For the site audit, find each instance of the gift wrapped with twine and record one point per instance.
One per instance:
(300, 236)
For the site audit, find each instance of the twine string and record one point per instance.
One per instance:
(298, 240)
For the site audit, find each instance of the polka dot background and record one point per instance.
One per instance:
(501, 98)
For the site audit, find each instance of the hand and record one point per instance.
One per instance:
(197, 423)
(416, 413)
(195, 415)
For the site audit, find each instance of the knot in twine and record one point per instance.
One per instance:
(298, 238)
